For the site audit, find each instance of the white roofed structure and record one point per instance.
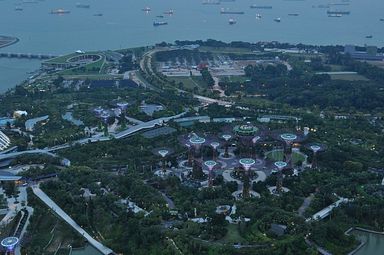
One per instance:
(4, 141)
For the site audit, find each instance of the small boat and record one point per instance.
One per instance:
(160, 16)
(18, 9)
(277, 20)
(293, 14)
(232, 21)
(159, 23)
(169, 12)
(146, 9)
(60, 11)
(369, 36)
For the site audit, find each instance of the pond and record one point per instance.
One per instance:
(149, 109)
(30, 124)
(69, 117)
(87, 250)
(374, 243)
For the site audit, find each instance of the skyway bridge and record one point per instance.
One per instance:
(26, 55)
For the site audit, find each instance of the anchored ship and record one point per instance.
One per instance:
(159, 23)
(60, 11)
(254, 6)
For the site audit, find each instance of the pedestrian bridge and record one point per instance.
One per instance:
(327, 210)
(26, 55)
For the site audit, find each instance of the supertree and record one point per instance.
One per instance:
(246, 163)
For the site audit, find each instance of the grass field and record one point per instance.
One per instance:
(348, 77)
(224, 49)
(277, 155)
(93, 77)
(190, 82)
(234, 78)
(233, 235)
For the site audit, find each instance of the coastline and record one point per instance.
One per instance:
(362, 243)
(12, 40)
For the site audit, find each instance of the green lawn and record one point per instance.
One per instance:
(93, 76)
(348, 77)
(224, 49)
(92, 68)
(277, 155)
(233, 235)
(234, 78)
(190, 82)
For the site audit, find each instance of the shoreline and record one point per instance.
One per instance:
(362, 243)
(12, 41)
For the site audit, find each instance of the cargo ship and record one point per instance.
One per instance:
(225, 11)
(254, 6)
(208, 2)
(329, 12)
(159, 23)
(169, 12)
(80, 5)
(335, 15)
(60, 11)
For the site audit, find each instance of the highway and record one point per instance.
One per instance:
(146, 125)
(51, 204)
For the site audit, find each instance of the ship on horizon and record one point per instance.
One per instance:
(60, 11)
(146, 9)
(227, 11)
(254, 6)
(169, 12)
(159, 23)
(85, 6)
(329, 12)
(210, 2)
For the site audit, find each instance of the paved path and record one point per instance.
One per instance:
(307, 201)
(51, 204)
(170, 203)
(335, 73)
(228, 178)
(261, 177)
